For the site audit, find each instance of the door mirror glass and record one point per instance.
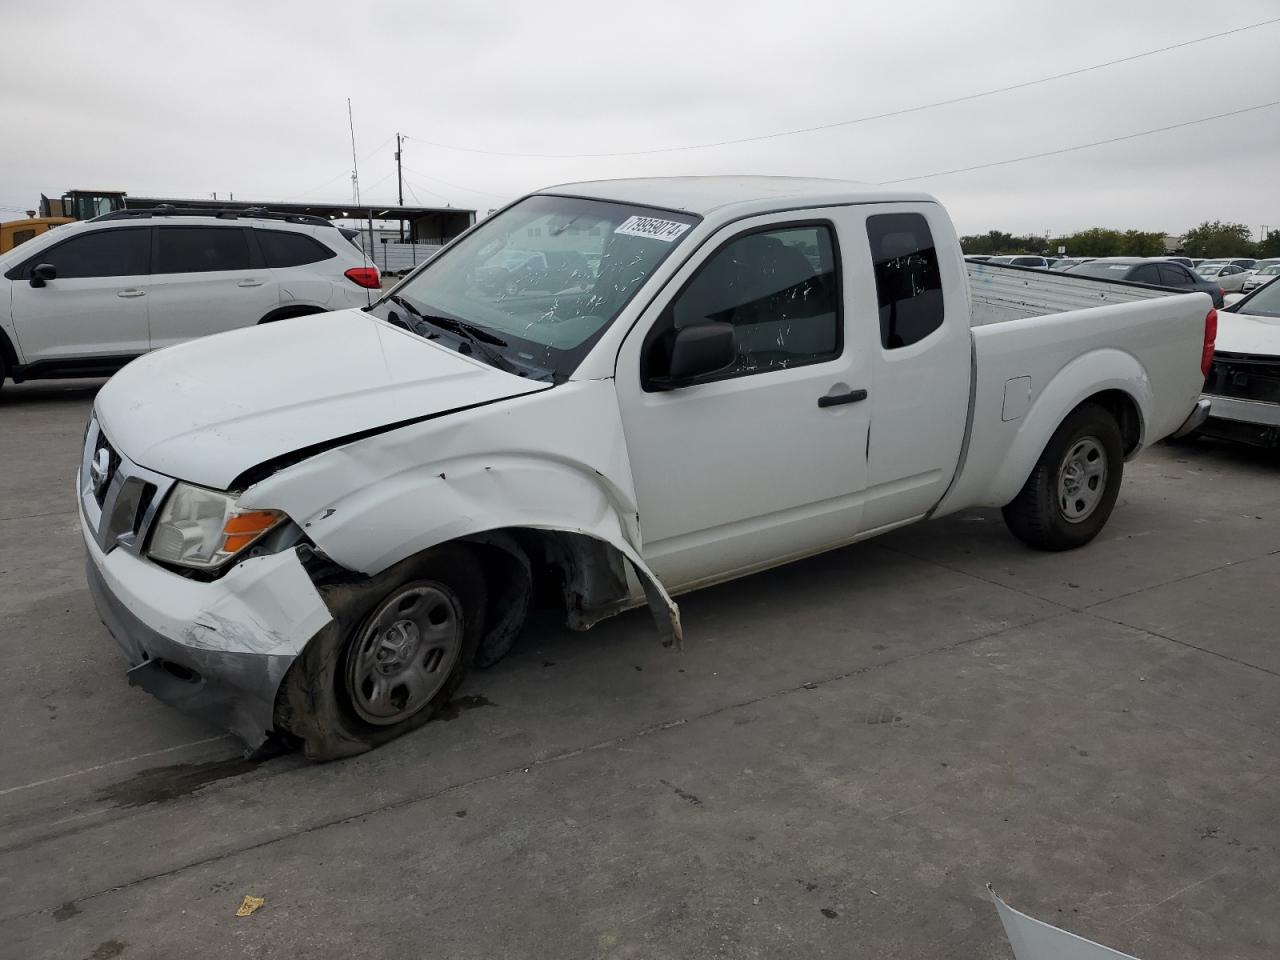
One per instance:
(700, 351)
(42, 273)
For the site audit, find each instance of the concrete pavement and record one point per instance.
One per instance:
(846, 751)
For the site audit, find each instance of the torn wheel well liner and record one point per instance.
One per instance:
(1127, 415)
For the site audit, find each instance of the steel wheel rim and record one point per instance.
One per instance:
(1082, 479)
(405, 654)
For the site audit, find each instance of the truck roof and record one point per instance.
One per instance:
(703, 195)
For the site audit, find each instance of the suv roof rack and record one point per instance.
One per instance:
(225, 213)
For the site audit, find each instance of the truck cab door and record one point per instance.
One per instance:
(918, 306)
(95, 306)
(765, 460)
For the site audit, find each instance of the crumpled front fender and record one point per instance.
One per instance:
(551, 461)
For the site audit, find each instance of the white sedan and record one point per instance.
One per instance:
(1263, 273)
(1229, 276)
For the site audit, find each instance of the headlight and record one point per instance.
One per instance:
(204, 529)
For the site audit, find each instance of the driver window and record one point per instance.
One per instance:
(779, 288)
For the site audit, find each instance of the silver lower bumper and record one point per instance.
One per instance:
(1245, 411)
(231, 689)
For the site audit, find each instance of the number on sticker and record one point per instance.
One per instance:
(653, 228)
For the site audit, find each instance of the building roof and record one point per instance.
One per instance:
(702, 195)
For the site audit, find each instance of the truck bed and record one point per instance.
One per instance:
(1044, 342)
(998, 293)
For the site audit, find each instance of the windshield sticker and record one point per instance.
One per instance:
(654, 229)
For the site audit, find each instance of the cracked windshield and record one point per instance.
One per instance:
(533, 288)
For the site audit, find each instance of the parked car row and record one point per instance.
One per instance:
(1216, 277)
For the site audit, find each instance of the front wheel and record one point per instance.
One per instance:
(394, 653)
(1073, 488)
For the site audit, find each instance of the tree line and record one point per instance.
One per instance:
(1209, 239)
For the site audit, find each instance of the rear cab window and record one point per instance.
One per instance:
(908, 278)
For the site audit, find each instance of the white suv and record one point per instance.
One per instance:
(85, 299)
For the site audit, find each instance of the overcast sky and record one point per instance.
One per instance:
(186, 98)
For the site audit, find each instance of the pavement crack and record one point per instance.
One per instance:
(1185, 643)
(520, 768)
(976, 576)
(1183, 579)
(35, 516)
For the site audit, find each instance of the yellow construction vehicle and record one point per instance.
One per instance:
(14, 232)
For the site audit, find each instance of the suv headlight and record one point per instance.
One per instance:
(203, 529)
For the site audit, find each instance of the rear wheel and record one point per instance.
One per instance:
(395, 652)
(1073, 488)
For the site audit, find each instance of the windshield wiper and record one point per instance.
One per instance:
(478, 340)
(406, 305)
(469, 330)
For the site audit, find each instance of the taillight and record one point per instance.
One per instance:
(364, 277)
(1210, 339)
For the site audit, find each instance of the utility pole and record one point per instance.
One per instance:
(400, 183)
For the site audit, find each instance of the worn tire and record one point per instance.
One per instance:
(315, 704)
(1039, 514)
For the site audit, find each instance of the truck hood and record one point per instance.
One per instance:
(208, 410)
(1244, 333)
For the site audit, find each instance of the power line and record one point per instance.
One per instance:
(456, 186)
(345, 173)
(846, 123)
(1081, 146)
(425, 189)
(413, 194)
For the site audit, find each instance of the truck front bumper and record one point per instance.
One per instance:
(217, 649)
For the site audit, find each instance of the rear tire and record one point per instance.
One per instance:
(1073, 488)
(397, 649)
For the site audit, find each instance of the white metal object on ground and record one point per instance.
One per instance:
(1034, 939)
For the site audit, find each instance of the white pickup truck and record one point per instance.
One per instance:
(623, 390)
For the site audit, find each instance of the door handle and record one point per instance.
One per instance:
(834, 400)
(249, 283)
(131, 293)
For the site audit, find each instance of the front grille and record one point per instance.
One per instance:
(103, 469)
(1244, 377)
(119, 497)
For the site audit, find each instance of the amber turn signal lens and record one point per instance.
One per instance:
(242, 529)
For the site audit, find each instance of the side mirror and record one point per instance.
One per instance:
(700, 351)
(42, 273)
